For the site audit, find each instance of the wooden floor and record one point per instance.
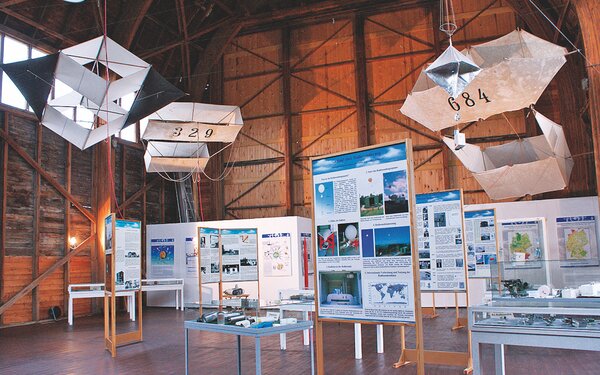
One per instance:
(56, 348)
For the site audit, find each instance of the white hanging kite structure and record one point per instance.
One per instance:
(527, 166)
(515, 70)
(177, 135)
(82, 69)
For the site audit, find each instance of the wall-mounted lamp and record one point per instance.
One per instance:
(73, 242)
(74, 1)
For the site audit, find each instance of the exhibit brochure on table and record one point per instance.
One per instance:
(210, 264)
(577, 241)
(128, 249)
(277, 254)
(440, 237)
(362, 223)
(162, 257)
(239, 251)
(482, 247)
(523, 243)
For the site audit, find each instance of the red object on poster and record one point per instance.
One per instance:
(305, 255)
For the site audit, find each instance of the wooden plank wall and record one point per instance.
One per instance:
(322, 91)
(38, 220)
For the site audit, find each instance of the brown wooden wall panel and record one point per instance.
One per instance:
(238, 62)
(307, 48)
(51, 290)
(263, 94)
(17, 274)
(19, 194)
(80, 272)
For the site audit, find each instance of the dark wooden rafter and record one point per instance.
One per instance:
(329, 130)
(185, 47)
(211, 56)
(404, 125)
(400, 33)
(404, 77)
(139, 194)
(261, 143)
(166, 27)
(221, 4)
(35, 259)
(34, 284)
(360, 82)
(132, 15)
(427, 160)
(39, 169)
(325, 88)
(287, 116)
(561, 20)
(228, 205)
(40, 26)
(3, 223)
(261, 90)
(237, 45)
(323, 42)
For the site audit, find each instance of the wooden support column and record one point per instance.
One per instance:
(122, 177)
(360, 81)
(104, 204)
(162, 201)
(215, 94)
(287, 123)
(35, 259)
(4, 186)
(67, 225)
(588, 12)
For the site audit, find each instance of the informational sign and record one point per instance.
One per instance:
(210, 264)
(277, 254)
(441, 241)
(577, 241)
(128, 249)
(306, 246)
(108, 235)
(191, 257)
(363, 227)
(162, 257)
(482, 247)
(523, 243)
(239, 251)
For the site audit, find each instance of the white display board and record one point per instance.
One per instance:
(441, 241)
(210, 260)
(481, 241)
(239, 252)
(186, 253)
(577, 241)
(277, 254)
(128, 255)
(361, 215)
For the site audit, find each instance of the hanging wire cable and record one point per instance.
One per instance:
(447, 19)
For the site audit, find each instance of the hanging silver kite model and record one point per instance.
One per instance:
(177, 135)
(82, 68)
(527, 166)
(515, 70)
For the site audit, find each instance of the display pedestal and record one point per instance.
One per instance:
(112, 340)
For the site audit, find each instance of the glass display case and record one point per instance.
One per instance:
(544, 279)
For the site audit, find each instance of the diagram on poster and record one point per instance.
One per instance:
(239, 250)
(577, 241)
(210, 263)
(482, 248)
(108, 235)
(362, 222)
(127, 240)
(523, 243)
(191, 257)
(162, 257)
(277, 254)
(441, 247)
(306, 246)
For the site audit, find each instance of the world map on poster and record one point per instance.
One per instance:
(577, 244)
(389, 293)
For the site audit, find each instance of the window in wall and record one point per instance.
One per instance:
(13, 50)
(130, 132)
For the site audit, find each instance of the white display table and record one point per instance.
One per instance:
(153, 285)
(97, 291)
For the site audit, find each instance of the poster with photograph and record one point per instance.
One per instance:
(191, 257)
(162, 257)
(362, 222)
(277, 254)
(577, 241)
(482, 247)
(127, 241)
(239, 255)
(441, 241)
(108, 235)
(523, 243)
(306, 246)
(210, 264)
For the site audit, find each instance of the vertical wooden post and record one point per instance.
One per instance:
(123, 178)
(67, 224)
(588, 12)
(162, 201)
(360, 81)
(144, 202)
(218, 187)
(4, 186)
(37, 181)
(287, 114)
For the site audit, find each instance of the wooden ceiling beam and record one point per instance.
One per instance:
(50, 32)
(132, 15)
(8, 3)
